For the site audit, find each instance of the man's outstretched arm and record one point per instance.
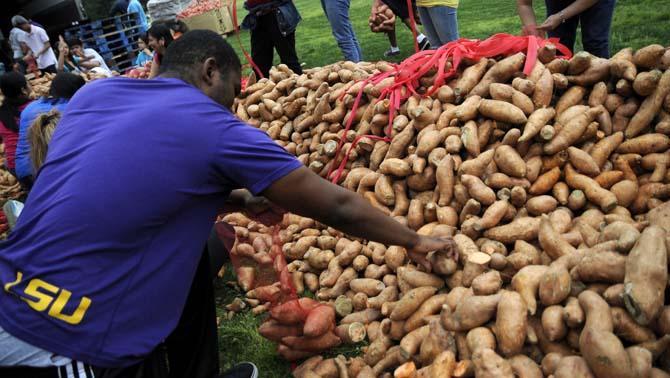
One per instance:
(304, 193)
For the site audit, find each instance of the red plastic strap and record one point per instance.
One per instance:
(239, 41)
(408, 73)
(412, 22)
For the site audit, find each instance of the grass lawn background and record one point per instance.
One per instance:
(636, 23)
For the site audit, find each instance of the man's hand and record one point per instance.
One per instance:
(427, 244)
(532, 30)
(259, 209)
(262, 210)
(256, 205)
(551, 23)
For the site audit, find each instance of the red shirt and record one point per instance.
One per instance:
(10, 139)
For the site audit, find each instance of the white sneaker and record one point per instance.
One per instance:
(392, 52)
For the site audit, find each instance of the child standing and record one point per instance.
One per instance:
(439, 20)
(145, 55)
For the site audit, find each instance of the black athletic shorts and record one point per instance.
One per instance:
(399, 8)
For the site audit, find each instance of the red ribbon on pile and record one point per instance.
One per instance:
(409, 71)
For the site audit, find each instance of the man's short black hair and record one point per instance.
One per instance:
(65, 85)
(194, 48)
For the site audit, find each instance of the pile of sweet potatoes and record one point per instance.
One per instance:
(554, 186)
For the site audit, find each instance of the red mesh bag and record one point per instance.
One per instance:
(445, 60)
(301, 326)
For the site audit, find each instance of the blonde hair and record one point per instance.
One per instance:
(39, 136)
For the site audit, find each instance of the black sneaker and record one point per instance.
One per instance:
(424, 45)
(242, 370)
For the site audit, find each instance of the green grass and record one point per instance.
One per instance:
(636, 23)
(239, 340)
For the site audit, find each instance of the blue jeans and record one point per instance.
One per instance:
(439, 24)
(337, 12)
(595, 23)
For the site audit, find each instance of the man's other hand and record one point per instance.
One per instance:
(427, 244)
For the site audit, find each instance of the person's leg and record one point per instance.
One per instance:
(192, 348)
(420, 37)
(28, 372)
(596, 22)
(399, 9)
(262, 50)
(428, 27)
(445, 23)
(393, 39)
(154, 366)
(337, 12)
(566, 31)
(356, 44)
(218, 253)
(285, 46)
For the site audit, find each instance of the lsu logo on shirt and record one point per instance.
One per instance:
(42, 296)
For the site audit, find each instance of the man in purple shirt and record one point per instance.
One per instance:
(97, 271)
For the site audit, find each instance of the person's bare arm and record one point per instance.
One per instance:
(61, 60)
(304, 193)
(526, 13)
(375, 6)
(577, 7)
(88, 64)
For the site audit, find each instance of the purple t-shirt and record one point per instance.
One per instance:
(104, 253)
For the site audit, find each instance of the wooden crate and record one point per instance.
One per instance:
(218, 20)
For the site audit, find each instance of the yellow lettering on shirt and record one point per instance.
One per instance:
(43, 299)
(60, 302)
(9, 285)
(41, 295)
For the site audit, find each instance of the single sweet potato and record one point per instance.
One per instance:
(646, 276)
(602, 350)
(524, 367)
(410, 302)
(511, 323)
(502, 111)
(488, 364)
(319, 321)
(526, 282)
(320, 343)
(471, 312)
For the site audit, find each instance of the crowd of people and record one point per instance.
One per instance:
(32, 51)
(272, 24)
(18, 130)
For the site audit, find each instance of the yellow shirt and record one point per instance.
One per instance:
(437, 3)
